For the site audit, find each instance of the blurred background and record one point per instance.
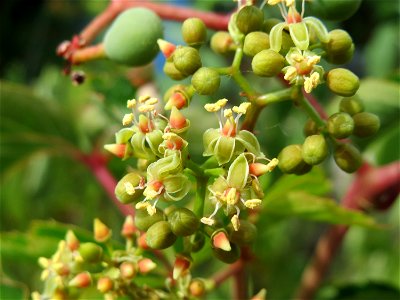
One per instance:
(44, 119)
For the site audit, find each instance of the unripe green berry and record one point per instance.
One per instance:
(291, 160)
(222, 42)
(90, 252)
(351, 105)
(310, 128)
(194, 32)
(347, 157)
(183, 222)
(125, 192)
(269, 23)
(187, 60)
(255, 42)
(366, 124)
(315, 149)
(249, 18)
(172, 72)
(143, 221)
(132, 38)
(160, 235)
(228, 257)
(246, 234)
(342, 82)
(339, 42)
(342, 58)
(340, 125)
(267, 63)
(334, 10)
(206, 81)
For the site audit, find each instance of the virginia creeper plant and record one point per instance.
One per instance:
(171, 201)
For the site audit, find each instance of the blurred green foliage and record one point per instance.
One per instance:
(45, 121)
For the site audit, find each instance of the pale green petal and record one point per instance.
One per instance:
(210, 138)
(124, 135)
(224, 149)
(250, 142)
(299, 35)
(139, 148)
(319, 28)
(275, 36)
(176, 187)
(154, 139)
(238, 172)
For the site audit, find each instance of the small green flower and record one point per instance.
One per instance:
(227, 142)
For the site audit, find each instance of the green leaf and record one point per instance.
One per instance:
(315, 208)
(10, 289)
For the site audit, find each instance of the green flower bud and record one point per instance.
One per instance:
(267, 63)
(342, 58)
(206, 81)
(310, 128)
(342, 82)
(90, 252)
(255, 42)
(186, 60)
(222, 42)
(249, 18)
(334, 10)
(228, 257)
(183, 222)
(339, 42)
(347, 157)
(291, 160)
(194, 32)
(340, 125)
(246, 234)
(366, 124)
(134, 47)
(125, 190)
(351, 105)
(315, 149)
(172, 72)
(160, 236)
(143, 220)
(197, 240)
(269, 23)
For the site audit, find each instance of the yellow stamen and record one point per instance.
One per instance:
(297, 57)
(207, 221)
(228, 113)
(272, 164)
(131, 103)
(252, 203)
(313, 60)
(242, 108)
(151, 210)
(143, 99)
(129, 188)
(127, 119)
(291, 73)
(221, 102)
(212, 107)
(146, 108)
(231, 198)
(235, 222)
(142, 205)
(151, 101)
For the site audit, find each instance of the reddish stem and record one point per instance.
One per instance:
(88, 53)
(365, 191)
(225, 274)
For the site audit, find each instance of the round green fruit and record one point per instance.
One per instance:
(340, 125)
(310, 128)
(194, 32)
(206, 81)
(183, 222)
(246, 234)
(347, 157)
(123, 190)
(255, 42)
(228, 257)
(160, 235)
(334, 10)
(342, 82)
(291, 160)
(267, 63)
(90, 252)
(249, 18)
(366, 124)
(186, 60)
(144, 221)
(222, 42)
(132, 37)
(315, 149)
(351, 105)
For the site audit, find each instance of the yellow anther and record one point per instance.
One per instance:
(231, 197)
(207, 221)
(146, 108)
(290, 74)
(142, 205)
(221, 102)
(212, 107)
(44, 262)
(143, 99)
(290, 2)
(127, 119)
(274, 2)
(150, 193)
(315, 78)
(228, 113)
(252, 203)
(272, 164)
(297, 57)
(313, 60)
(129, 188)
(152, 101)
(151, 210)
(169, 136)
(311, 82)
(44, 275)
(131, 103)
(243, 107)
(235, 222)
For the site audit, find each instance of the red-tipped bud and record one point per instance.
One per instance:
(81, 280)
(145, 124)
(176, 99)
(71, 240)
(146, 265)
(220, 240)
(116, 149)
(166, 48)
(261, 295)
(141, 242)
(181, 265)
(128, 229)
(105, 284)
(177, 120)
(62, 269)
(101, 232)
(257, 169)
(128, 270)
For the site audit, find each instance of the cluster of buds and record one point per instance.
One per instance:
(78, 265)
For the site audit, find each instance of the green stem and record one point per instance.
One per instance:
(237, 60)
(278, 96)
(310, 110)
(200, 197)
(195, 168)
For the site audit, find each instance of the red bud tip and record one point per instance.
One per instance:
(221, 241)
(261, 295)
(101, 232)
(146, 265)
(177, 99)
(128, 229)
(177, 120)
(71, 240)
(257, 169)
(141, 242)
(104, 284)
(81, 280)
(166, 48)
(181, 265)
(229, 129)
(116, 149)
(145, 124)
(128, 270)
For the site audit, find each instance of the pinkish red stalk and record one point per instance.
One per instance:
(365, 192)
